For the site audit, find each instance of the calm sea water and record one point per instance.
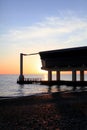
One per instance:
(10, 88)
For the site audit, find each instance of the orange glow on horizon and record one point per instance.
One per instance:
(31, 65)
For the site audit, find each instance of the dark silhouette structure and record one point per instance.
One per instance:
(71, 59)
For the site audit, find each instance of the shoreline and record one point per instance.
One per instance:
(53, 96)
(74, 90)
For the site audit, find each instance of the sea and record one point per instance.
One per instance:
(10, 89)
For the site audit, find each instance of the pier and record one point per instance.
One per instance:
(71, 59)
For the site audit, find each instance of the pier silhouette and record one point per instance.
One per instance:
(69, 59)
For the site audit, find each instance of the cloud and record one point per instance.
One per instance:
(62, 31)
(52, 33)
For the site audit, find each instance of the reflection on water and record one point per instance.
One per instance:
(64, 88)
(20, 90)
(9, 87)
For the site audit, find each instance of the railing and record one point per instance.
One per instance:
(30, 79)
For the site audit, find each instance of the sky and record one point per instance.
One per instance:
(31, 26)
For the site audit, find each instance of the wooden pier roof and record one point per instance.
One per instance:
(63, 58)
(60, 52)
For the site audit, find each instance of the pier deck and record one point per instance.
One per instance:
(53, 82)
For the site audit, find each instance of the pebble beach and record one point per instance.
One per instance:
(54, 111)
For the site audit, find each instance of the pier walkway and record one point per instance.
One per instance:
(51, 83)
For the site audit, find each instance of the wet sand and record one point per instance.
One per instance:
(55, 111)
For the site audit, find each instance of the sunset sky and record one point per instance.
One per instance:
(31, 26)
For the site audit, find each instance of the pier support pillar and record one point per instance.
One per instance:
(58, 75)
(81, 75)
(49, 75)
(74, 75)
(21, 77)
